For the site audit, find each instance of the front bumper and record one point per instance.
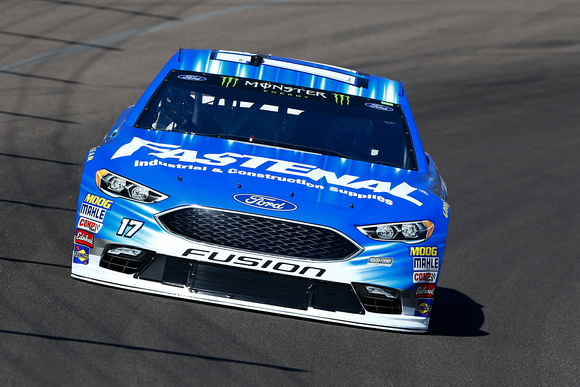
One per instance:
(239, 286)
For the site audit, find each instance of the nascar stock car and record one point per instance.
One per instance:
(270, 184)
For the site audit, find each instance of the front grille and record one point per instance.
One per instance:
(259, 234)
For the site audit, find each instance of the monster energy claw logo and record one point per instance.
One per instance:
(341, 99)
(229, 81)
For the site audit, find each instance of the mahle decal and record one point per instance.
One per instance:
(341, 99)
(229, 81)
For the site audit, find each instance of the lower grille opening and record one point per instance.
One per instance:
(379, 303)
(124, 259)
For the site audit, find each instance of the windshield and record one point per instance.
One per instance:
(282, 116)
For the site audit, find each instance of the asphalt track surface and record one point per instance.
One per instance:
(495, 89)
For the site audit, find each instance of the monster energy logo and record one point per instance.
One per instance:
(229, 81)
(341, 99)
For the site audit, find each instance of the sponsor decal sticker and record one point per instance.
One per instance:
(92, 212)
(81, 254)
(89, 225)
(426, 263)
(266, 168)
(91, 154)
(422, 277)
(291, 91)
(85, 238)
(98, 201)
(341, 99)
(445, 209)
(229, 81)
(425, 290)
(196, 78)
(381, 261)
(423, 251)
(265, 202)
(379, 107)
(424, 306)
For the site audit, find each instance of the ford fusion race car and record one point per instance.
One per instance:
(270, 184)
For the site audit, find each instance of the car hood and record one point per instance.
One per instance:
(247, 177)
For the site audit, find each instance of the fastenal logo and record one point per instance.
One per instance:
(341, 99)
(264, 168)
(229, 81)
(265, 202)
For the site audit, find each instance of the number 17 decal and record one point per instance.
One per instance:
(129, 227)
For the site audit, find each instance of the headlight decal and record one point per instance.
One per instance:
(119, 186)
(406, 232)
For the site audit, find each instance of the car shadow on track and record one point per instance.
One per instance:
(112, 345)
(455, 314)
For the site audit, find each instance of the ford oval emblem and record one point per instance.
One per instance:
(196, 78)
(265, 202)
(379, 107)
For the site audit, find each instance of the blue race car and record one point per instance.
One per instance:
(270, 184)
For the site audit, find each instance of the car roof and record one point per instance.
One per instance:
(287, 71)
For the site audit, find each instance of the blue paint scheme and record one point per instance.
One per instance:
(287, 175)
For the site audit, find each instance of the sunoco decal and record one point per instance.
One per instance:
(81, 255)
(424, 306)
(247, 164)
(265, 202)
